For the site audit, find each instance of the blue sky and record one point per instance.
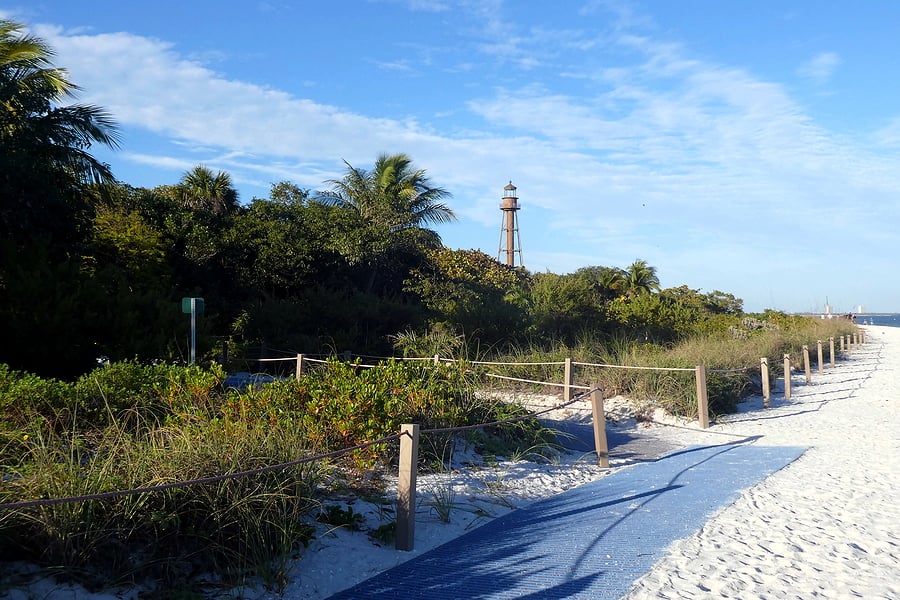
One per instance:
(747, 147)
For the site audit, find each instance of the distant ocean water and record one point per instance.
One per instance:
(888, 320)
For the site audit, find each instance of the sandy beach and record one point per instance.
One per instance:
(826, 526)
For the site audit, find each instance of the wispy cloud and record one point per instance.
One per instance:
(398, 66)
(889, 135)
(821, 67)
(428, 5)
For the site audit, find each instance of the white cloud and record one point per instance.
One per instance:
(146, 84)
(889, 135)
(821, 67)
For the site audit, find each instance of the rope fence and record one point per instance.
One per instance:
(409, 434)
(569, 386)
(533, 381)
(636, 368)
(200, 481)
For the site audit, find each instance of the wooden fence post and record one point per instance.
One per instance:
(299, 366)
(702, 398)
(764, 376)
(806, 364)
(831, 350)
(568, 376)
(842, 345)
(347, 356)
(600, 443)
(437, 359)
(819, 355)
(787, 376)
(404, 537)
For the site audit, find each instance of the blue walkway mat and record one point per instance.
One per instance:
(591, 542)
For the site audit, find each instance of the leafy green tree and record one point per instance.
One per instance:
(296, 291)
(470, 291)
(140, 311)
(562, 306)
(285, 192)
(686, 296)
(281, 246)
(652, 317)
(724, 303)
(392, 195)
(122, 238)
(48, 302)
(712, 303)
(194, 234)
(609, 282)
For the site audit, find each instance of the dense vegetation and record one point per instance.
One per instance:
(132, 426)
(91, 267)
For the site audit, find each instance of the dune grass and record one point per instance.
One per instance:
(131, 426)
(732, 359)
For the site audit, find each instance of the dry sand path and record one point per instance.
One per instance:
(826, 526)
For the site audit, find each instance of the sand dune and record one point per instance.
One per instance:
(826, 526)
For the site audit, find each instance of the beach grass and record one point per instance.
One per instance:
(133, 426)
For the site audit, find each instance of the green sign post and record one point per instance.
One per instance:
(194, 307)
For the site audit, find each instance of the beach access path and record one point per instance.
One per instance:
(796, 501)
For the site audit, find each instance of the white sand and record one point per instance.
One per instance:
(827, 526)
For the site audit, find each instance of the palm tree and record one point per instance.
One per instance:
(30, 89)
(610, 282)
(394, 203)
(44, 159)
(641, 278)
(391, 195)
(47, 310)
(200, 189)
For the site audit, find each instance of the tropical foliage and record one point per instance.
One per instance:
(129, 425)
(46, 297)
(200, 189)
(95, 268)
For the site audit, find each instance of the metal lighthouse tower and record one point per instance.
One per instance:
(510, 242)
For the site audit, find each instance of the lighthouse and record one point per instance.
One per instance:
(510, 242)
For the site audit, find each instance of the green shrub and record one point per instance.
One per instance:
(516, 438)
(106, 392)
(345, 405)
(190, 388)
(725, 390)
(25, 396)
